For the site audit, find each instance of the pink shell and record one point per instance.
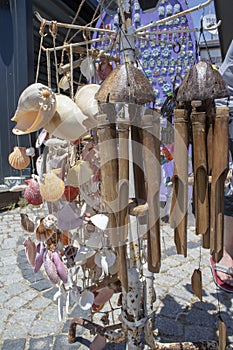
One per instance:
(98, 343)
(103, 295)
(50, 267)
(30, 251)
(32, 192)
(40, 249)
(61, 269)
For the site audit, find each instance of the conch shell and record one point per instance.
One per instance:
(85, 100)
(36, 107)
(53, 187)
(18, 158)
(67, 122)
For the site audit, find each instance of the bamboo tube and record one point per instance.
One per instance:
(151, 156)
(210, 115)
(179, 203)
(219, 172)
(201, 185)
(123, 217)
(109, 171)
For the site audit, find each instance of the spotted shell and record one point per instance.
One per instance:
(18, 158)
(52, 188)
(67, 122)
(36, 107)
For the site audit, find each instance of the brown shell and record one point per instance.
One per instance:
(202, 82)
(18, 158)
(125, 84)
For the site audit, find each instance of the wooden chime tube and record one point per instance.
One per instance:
(201, 180)
(219, 172)
(179, 203)
(210, 115)
(151, 157)
(109, 171)
(123, 217)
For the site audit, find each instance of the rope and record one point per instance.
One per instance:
(41, 32)
(48, 68)
(71, 73)
(53, 31)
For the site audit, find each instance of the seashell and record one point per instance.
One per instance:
(69, 217)
(103, 295)
(95, 241)
(70, 193)
(100, 221)
(32, 192)
(87, 68)
(104, 69)
(52, 188)
(67, 122)
(43, 135)
(83, 254)
(36, 107)
(50, 267)
(18, 158)
(30, 251)
(40, 250)
(61, 269)
(30, 152)
(50, 221)
(98, 343)
(79, 174)
(114, 268)
(54, 142)
(39, 166)
(64, 237)
(86, 300)
(64, 82)
(85, 100)
(27, 224)
(104, 259)
(90, 263)
(42, 233)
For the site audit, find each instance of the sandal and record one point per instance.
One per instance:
(219, 283)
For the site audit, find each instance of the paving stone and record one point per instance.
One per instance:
(41, 343)
(169, 327)
(61, 342)
(197, 333)
(45, 328)
(39, 303)
(17, 344)
(41, 285)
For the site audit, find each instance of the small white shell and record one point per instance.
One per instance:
(87, 68)
(30, 151)
(86, 300)
(100, 221)
(83, 254)
(36, 107)
(67, 122)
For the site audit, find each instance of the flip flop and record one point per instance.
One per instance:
(222, 285)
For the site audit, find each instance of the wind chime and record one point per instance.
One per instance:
(103, 187)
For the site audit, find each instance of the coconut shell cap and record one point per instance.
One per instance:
(125, 84)
(202, 82)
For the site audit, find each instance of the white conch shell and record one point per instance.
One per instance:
(52, 188)
(79, 174)
(18, 158)
(67, 122)
(36, 107)
(85, 100)
(86, 300)
(100, 221)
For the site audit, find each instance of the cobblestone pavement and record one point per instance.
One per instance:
(28, 314)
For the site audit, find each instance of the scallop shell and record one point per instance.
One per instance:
(32, 192)
(86, 300)
(85, 100)
(52, 188)
(79, 174)
(36, 107)
(67, 122)
(18, 158)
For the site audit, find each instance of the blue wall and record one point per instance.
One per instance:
(16, 71)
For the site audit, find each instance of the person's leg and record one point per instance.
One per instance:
(227, 259)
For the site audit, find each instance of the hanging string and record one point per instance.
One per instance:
(71, 73)
(198, 43)
(32, 158)
(48, 68)
(53, 31)
(41, 32)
